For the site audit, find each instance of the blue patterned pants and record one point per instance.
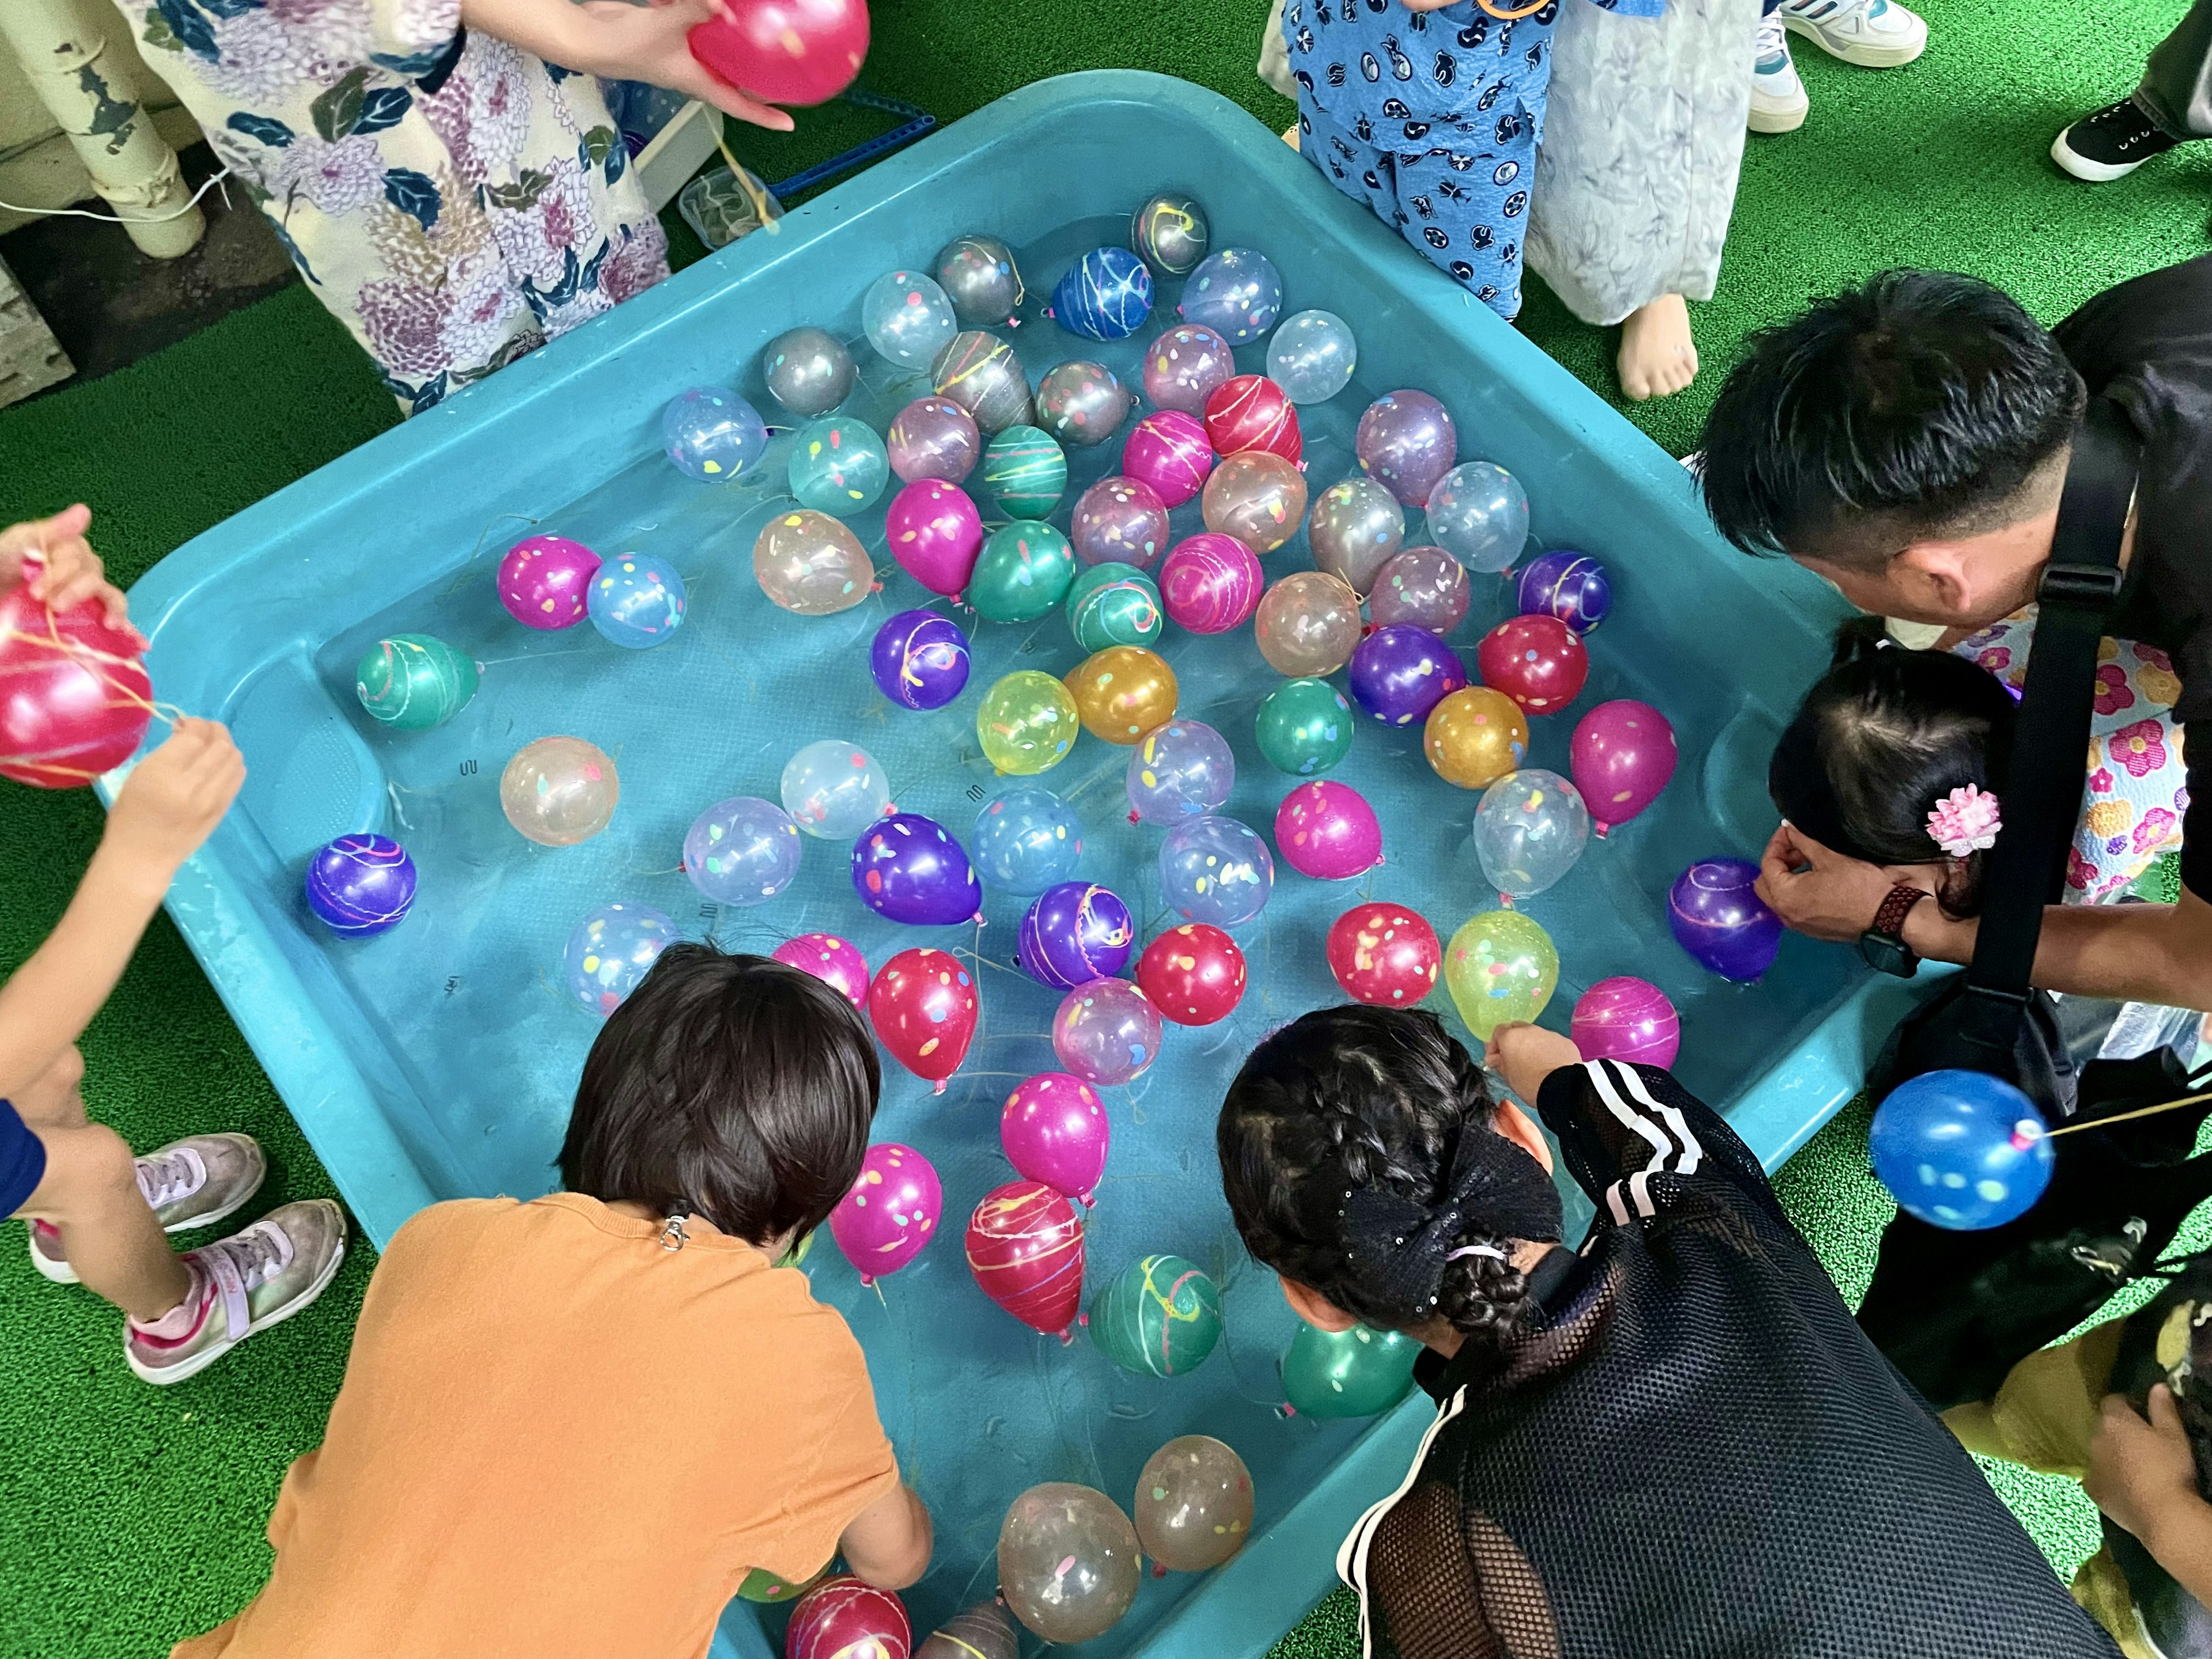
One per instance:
(1457, 194)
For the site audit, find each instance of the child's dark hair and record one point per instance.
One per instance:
(1882, 737)
(730, 1087)
(1358, 1152)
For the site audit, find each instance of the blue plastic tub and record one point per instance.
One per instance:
(437, 1061)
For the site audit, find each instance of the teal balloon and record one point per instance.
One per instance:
(1114, 604)
(838, 465)
(1026, 471)
(1354, 1373)
(1024, 573)
(1304, 727)
(1160, 1318)
(412, 682)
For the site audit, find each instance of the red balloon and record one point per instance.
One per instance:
(785, 51)
(1250, 411)
(1194, 974)
(842, 1618)
(923, 1004)
(1026, 1249)
(74, 696)
(1385, 955)
(1537, 661)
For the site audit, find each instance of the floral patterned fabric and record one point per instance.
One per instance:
(2138, 790)
(452, 199)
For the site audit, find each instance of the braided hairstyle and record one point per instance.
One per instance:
(1882, 737)
(1357, 1097)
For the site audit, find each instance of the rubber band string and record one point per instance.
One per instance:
(2123, 1117)
(1508, 16)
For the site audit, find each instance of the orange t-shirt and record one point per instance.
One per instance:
(557, 1437)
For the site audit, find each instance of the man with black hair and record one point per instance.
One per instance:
(1908, 440)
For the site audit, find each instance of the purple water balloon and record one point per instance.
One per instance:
(1423, 585)
(1406, 440)
(1120, 520)
(934, 438)
(1568, 584)
(920, 660)
(1721, 921)
(908, 868)
(1074, 933)
(1399, 672)
(1184, 366)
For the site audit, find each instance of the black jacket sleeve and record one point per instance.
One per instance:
(1622, 1127)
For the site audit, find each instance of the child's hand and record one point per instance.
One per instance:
(174, 798)
(2143, 1474)
(62, 570)
(1524, 1055)
(621, 42)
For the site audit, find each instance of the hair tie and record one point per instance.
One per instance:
(1965, 820)
(1491, 1251)
(1400, 1246)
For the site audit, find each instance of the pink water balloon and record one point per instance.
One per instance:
(892, 1211)
(1169, 451)
(1184, 365)
(1211, 583)
(1623, 754)
(1626, 1018)
(542, 581)
(832, 960)
(1054, 1129)
(1326, 830)
(934, 533)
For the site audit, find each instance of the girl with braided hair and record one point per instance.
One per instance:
(1672, 1442)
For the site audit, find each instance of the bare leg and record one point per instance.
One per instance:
(1658, 358)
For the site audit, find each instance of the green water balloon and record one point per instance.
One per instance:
(1026, 471)
(1161, 1317)
(1114, 604)
(1024, 573)
(838, 465)
(412, 682)
(1304, 727)
(1354, 1373)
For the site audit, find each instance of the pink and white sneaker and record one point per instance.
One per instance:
(193, 1182)
(255, 1278)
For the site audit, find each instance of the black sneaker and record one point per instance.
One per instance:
(2110, 144)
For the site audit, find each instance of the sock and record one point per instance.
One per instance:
(49, 1240)
(182, 1320)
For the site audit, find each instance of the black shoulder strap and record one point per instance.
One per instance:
(2042, 800)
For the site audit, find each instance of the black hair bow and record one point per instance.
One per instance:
(1400, 1246)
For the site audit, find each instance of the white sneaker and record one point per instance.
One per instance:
(256, 1278)
(1872, 34)
(193, 1182)
(1778, 102)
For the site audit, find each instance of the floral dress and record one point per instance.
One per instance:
(452, 200)
(2137, 789)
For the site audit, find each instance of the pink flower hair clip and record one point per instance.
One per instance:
(1965, 821)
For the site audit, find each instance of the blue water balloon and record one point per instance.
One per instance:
(1027, 840)
(1106, 294)
(1215, 869)
(743, 850)
(610, 950)
(1961, 1150)
(360, 885)
(636, 600)
(1237, 293)
(712, 434)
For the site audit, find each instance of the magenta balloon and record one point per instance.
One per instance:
(1626, 1018)
(1120, 520)
(1211, 583)
(832, 960)
(932, 438)
(934, 533)
(1623, 754)
(892, 1211)
(1327, 830)
(1184, 365)
(1055, 1131)
(1407, 440)
(1424, 585)
(1169, 450)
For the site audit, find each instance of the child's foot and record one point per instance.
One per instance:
(2109, 144)
(1291, 135)
(1658, 357)
(193, 1182)
(1778, 102)
(1872, 34)
(240, 1284)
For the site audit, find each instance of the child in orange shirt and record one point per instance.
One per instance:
(571, 1427)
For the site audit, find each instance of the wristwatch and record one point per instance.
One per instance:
(1883, 944)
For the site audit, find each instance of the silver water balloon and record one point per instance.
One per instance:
(1356, 528)
(982, 1632)
(1479, 514)
(808, 370)
(979, 276)
(979, 372)
(1170, 232)
(1081, 402)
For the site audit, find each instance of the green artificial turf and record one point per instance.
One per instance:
(131, 1516)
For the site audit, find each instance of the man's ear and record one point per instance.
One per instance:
(1934, 575)
(1316, 1309)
